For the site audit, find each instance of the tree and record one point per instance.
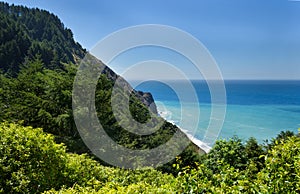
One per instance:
(254, 153)
(231, 152)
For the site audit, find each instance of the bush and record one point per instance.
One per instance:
(30, 160)
(231, 152)
(282, 173)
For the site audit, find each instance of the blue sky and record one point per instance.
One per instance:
(250, 39)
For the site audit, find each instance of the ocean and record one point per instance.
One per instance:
(260, 109)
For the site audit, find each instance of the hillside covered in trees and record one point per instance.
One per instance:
(36, 87)
(26, 33)
(42, 151)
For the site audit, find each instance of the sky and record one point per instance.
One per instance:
(249, 39)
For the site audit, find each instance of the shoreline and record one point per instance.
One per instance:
(203, 146)
(200, 144)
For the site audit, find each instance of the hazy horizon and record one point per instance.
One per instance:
(248, 39)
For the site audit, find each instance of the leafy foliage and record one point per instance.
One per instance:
(31, 162)
(230, 152)
(279, 172)
(234, 153)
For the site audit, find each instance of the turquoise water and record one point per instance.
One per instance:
(259, 109)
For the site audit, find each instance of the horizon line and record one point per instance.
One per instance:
(233, 79)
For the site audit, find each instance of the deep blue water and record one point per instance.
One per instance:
(238, 92)
(254, 108)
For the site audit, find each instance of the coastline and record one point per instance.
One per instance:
(203, 146)
(200, 144)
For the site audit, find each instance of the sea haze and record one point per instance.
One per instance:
(255, 108)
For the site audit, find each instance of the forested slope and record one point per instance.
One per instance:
(26, 33)
(39, 60)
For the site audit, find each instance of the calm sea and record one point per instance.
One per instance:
(259, 109)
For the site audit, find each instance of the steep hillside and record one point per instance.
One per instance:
(26, 33)
(29, 33)
(39, 57)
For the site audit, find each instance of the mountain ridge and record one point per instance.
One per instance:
(30, 41)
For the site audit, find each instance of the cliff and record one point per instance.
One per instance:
(145, 97)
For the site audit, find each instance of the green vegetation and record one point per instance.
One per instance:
(40, 97)
(42, 151)
(26, 33)
(36, 92)
(31, 162)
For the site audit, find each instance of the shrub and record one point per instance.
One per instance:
(282, 173)
(30, 160)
